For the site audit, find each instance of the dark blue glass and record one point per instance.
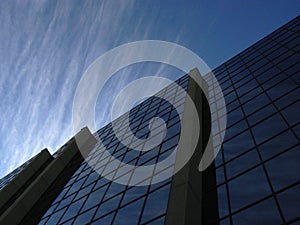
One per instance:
(72, 210)
(153, 208)
(268, 128)
(85, 217)
(263, 113)
(281, 88)
(222, 201)
(256, 103)
(289, 201)
(242, 163)
(262, 213)
(94, 198)
(129, 214)
(292, 113)
(238, 145)
(108, 206)
(284, 169)
(244, 189)
(55, 217)
(104, 220)
(278, 144)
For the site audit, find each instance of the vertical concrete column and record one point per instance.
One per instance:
(11, 191)
(185, 204)
(23, 204)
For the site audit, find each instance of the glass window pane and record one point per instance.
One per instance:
(152, 209)
(73, 210)
(262, 213)
(256, 103)
(248, 188)
(288, 99)
(130, 214)
(261, 114)
(114, 189)
(238, 145)
(222, 201)
(284, 169)
(277, 144)
(105, 220)
(242, 163)
(108, 206)
(134, 193)
(268, 128)
(83, 192)
(234, 116)
(55, 217)
(160, 221)
(289, 202)
(292, 113)
(65, 202)
(281, 88)
(94, 198)
(85, 217)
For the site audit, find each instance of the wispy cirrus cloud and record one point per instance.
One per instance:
(45, 47)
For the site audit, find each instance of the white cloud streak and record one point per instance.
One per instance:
(45, 47)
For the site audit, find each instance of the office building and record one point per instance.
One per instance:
(253, 180)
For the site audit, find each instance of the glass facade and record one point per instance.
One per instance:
(257, 169)
(91, 198)
(6, 179)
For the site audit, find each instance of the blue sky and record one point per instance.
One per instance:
(46, 45)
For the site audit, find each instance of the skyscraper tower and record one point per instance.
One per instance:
(253, 180)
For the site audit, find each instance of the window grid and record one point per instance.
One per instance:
(244, 79)
(283, 63)
(84, 183)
